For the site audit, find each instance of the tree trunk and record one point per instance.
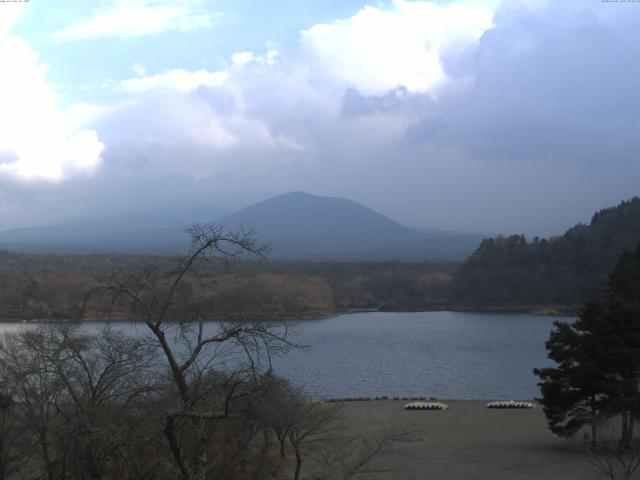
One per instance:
(170, 435)
(594, 423)
(45, 455)
(202, 446)
(298, 463)
(265, 446)
(625, 429)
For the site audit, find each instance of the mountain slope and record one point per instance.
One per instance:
(119, 234)
(300, 225)
(565, 270)
(297, 226)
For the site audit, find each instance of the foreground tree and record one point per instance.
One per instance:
(598, 360)
(616, 462)
(186, 399)
(574, 392)
(214, 368)
(71, 395)
(8, 437)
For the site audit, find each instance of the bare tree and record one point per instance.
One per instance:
(311, 423)
(618, 460)
(279, 408)
(36, 392)
(316, 434)
(171, 303)
(346, 456)
(191, 399)
(71, 390)
(102, 375)
(8, 437)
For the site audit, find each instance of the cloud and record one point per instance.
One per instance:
(554, 84)
(137, 18)
(521, 116)
(378, 50)
(139, 69)
(178, 79)
(207, 117)
(11, 13)
(37, 140)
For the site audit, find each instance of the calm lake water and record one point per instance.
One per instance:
(444, 354)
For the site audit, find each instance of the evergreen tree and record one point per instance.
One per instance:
(574, 392)
(620, 338)
(562, 271)
(597, 372)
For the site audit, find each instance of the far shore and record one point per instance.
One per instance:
(542, 311)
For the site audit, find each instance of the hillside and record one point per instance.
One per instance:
(566, 270)
(134, 234)
(299, 225)
(296, 225)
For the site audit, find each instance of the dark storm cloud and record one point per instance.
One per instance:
(549, 87)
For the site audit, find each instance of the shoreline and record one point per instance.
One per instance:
(537, 311)
(412, 398)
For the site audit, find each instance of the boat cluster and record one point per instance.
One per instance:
(444, 406)
(426, 406)
(510, 404)
(366, 399)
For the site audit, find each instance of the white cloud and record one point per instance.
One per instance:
(181, 80)
(139, 69)
(210, 111)
(37, 139)
(137, 18)
(11, 12)
(378, 50)
(178, 79)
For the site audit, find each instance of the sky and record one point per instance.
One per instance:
(497, 116)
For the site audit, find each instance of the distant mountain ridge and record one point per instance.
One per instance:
(297, 225)
(563, 270)
(136, 234)
(301, 225)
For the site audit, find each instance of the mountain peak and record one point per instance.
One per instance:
(302, 225)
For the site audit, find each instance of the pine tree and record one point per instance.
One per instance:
(597, 372)
(574, 392)
(620, 338)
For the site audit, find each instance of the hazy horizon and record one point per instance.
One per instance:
(476, 116)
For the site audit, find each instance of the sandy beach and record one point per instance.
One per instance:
(469, 442)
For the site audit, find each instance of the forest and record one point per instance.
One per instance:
(560, 272)
(49, 287)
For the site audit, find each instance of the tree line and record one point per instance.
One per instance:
(53, 287)
(561, 271)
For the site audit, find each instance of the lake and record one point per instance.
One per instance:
(461, 355)
(444, 354)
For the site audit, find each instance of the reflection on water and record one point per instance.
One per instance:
(444, 354)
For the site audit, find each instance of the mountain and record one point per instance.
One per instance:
(116, 234)
(564, 270)
(300, 225)
(297, 226)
